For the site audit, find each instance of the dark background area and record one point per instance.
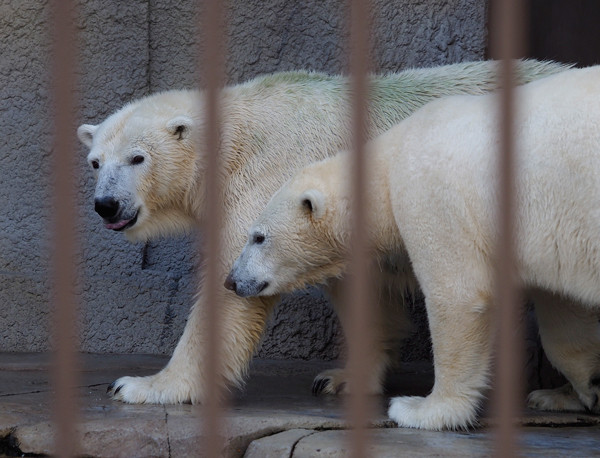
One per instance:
(563, 31)
(566, 31)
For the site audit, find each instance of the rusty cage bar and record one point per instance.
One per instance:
(214, 70)
(358, 284)
(508, 40)
(63, 256)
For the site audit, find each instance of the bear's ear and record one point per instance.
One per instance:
(180, 126)
(313, 202)
(86, 134)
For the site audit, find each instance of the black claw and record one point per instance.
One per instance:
(319, 385)
(595, 399)
(314, 387)
(110, 387)
(117, 390)
(340, 387)
(322, 384)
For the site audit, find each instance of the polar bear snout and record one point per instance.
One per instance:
(230, 282)
(244, 287)
(115, 215)
(106, 207)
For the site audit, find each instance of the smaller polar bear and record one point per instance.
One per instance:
(433, 198)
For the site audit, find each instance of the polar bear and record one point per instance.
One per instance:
(148, 158)
(432, 203)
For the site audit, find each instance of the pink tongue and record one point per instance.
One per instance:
(117, 225)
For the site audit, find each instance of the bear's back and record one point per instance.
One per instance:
(443, 176)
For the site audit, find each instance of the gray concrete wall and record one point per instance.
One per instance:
(135, 298)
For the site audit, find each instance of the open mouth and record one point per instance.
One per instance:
(262, 286)
(122, 224)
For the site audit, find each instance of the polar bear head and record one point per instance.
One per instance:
(301, 236)
(144, 161)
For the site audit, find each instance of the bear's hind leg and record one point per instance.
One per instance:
(460, 333)
(563, 399)
(570, 334)
(391, 326)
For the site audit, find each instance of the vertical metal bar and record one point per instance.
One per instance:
(358, 285)
(506, 41)
(213, 65)
(64, 236)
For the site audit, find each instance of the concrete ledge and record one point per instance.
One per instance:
(278, 445)
(275, 415)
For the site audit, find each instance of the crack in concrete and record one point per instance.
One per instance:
(264, 434)
(48, 390)
(583, 423)
(279, 431)
(6, 395)
(298, 441)
(167, 428)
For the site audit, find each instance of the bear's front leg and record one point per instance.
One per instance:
(460, 333)
(183, 379)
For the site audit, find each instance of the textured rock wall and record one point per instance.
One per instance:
(135, 298)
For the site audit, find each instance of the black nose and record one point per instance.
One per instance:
(229, 283)
(106, 207)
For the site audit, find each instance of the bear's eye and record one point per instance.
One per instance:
(137, 160)
(95, 164)
(258, 239)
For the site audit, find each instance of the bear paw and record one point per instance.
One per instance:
(332, 381)
(336, 381)
(433, 413)
(150, 390)
(563, 399)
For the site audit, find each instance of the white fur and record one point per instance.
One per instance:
(274, 125)
(433, 195)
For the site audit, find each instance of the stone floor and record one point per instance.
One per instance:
(274, 416)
